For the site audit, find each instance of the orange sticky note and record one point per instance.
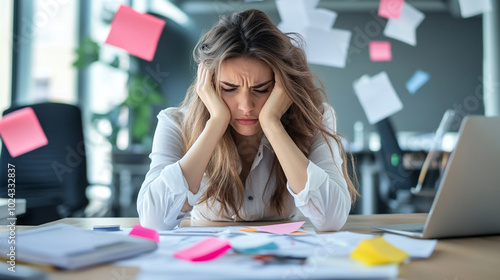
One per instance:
(146, 233)
(248, 229)
(380, 51)
(135, 32)
(21, 132)
(390, 8)
(281, 228)
(205, 250)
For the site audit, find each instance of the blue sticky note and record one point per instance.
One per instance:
(417, 80)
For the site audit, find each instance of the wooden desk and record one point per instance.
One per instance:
(453, 259)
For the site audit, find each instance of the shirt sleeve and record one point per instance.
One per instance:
(325, 199)
(165, 189)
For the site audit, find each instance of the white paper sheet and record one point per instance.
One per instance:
(327, 47)
(416, 248)
(377, 97)
(404, 29)
(469, 8)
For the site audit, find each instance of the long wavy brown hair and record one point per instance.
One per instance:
(251, 33)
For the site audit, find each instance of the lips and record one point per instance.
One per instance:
(247, 121)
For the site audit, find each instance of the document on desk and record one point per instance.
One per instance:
(69, 247)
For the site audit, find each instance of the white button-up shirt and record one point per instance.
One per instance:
(325, 199)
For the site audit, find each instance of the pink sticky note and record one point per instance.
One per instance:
(21, 132)
(204, 250)
(135, 32)
(281, 228)
(390, 8)
(146, 233)
(380, 51)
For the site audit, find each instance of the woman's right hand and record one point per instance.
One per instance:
(215, 105)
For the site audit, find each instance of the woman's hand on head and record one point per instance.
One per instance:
(215, 105)
(276, 105)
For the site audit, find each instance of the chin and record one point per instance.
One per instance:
(246, 131)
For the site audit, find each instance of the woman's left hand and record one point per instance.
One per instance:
(276, 105)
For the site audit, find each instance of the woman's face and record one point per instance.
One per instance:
(246, 84)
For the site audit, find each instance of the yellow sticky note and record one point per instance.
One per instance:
(377, 251)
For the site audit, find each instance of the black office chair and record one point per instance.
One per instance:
(52, 178)
(394, 176)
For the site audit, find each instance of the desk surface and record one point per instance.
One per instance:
(455, 258)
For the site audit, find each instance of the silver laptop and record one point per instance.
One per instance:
(468, 199)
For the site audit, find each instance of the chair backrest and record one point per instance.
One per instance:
(55, 174)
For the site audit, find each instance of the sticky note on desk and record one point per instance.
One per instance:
(205, 250)
(145, 233)
(281, 228)
(377, 251)
(380, 51)
(21, 132)
(135, 32)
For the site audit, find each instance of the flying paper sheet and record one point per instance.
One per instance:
(404, 29)
(469, 8)
(390, 8)
(377, 97)
(21, 132)
(293, 14)
(281, 228)
(322, 18)
(417, 81)
(327, 47)
(380, 51)
(135, 32)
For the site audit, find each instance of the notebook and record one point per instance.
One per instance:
(467, 201)
(70, 247)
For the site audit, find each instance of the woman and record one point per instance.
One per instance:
(253, 139)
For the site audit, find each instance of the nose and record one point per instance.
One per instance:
(246, 103)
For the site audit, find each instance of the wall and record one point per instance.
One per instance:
(448, 48)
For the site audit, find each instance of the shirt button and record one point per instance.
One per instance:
(250, 197)
(258, 154)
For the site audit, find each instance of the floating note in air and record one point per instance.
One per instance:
(135, 32)
(281, 228)
(21, 132)
(380, 51)
(322, 18)
(377, 251)
(390, 8)
(417, 81)
(377, 97)
(145, 233)
(404, 29)
(205, 250)
(327, 47)
(469, 8)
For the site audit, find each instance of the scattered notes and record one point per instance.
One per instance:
(377, 251)
(252, 244)
(417, 81)
(205, 250)
(416, 248)
(469, 8)
(21, 132)
(281, 228)
(145, 233)
(390, 8)
(135, 32)
(377, 97)
(380, 51)
(404, 29)
(327, 47)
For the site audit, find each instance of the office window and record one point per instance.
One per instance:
(6, 11)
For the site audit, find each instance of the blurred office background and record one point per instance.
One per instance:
(54, 51)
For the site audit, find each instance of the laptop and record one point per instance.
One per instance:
(467, 202)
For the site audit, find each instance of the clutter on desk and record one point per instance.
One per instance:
(146, 233)
(69, 247)
(377, 251)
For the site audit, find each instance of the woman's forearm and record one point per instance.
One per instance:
(195, 161)
(292, 160)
